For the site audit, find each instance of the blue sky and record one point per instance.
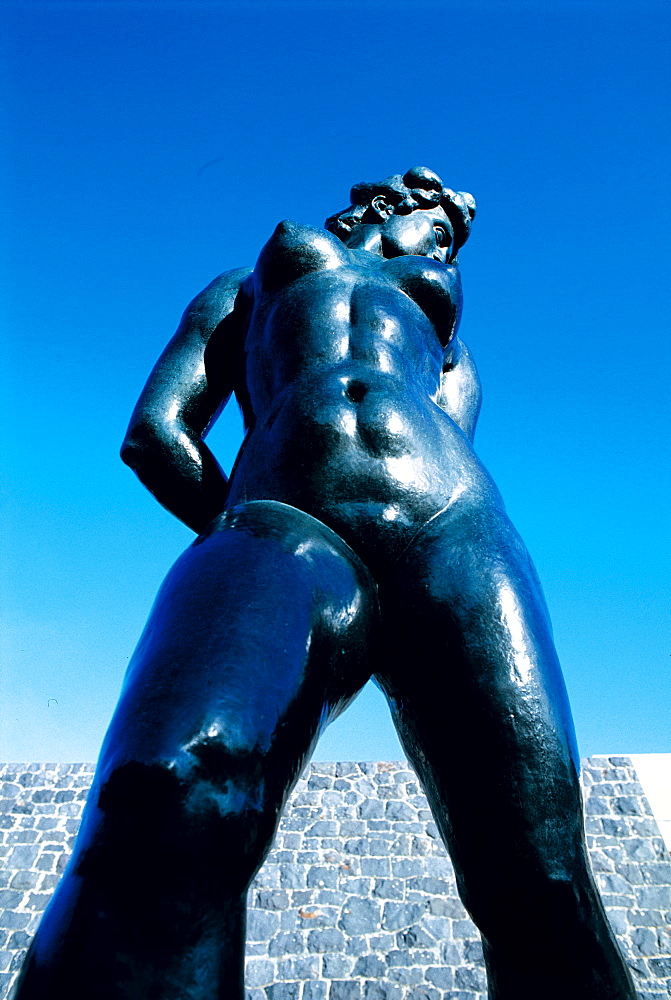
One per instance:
(154, 145)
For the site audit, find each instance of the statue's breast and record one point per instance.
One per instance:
(435, 287)
(294, 251)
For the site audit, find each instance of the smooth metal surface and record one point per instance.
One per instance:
(359, 536)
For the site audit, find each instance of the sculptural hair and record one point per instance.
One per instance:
(419, 187)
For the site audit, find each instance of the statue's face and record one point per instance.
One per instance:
(425, 232)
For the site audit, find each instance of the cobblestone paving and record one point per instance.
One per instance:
(357, 900)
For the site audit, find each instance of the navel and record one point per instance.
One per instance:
(356, 390)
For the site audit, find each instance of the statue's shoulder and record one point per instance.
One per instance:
(216, 301)
(218, 298)
(295, 250)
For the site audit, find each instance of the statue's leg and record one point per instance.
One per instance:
(261, 632)
(479, 701)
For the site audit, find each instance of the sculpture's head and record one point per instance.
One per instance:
(413, 214)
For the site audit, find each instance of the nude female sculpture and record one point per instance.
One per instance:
(359, 536)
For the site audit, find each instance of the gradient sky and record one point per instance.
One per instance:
(154, 145)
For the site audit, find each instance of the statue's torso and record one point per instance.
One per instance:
(342, 370)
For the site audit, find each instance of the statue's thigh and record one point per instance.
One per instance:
(257, 635)
(478, 696)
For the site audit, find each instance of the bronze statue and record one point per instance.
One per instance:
(359, 536)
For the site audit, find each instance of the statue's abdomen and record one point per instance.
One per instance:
(363, 450)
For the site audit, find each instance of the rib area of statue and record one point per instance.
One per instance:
(359, 535)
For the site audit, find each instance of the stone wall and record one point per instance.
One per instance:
(357, 900)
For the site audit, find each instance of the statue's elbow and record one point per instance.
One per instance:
(140, 447)
(129, 453)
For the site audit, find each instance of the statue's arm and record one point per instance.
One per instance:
(460, 394)
(183, 397)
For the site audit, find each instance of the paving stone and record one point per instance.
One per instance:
(645, 941)
(360, 916)
(618, 920)
(286, 943)
(432, 886)
(357, 945)
(300, 897)
(613, 883)
(376, 866)
(318, 781)
(272, 899)
(283, 991)
(441, 976)
(452, 954)
(336, 966)
(423, 993)
(22, 836)
(315, 990)
(322, 877)
(289, 920)
(300, 968)
(358, 846)
(10, 898)
(371, 808)
(410, 957)
(406, 976)
(24, 880)
(655, 897)
(399, 811)
(370, 966)
(657, 874)
(389, 888)
(382, 942)
(324, 828)
(398, 915)
(328, 939)
(259, 972)
(407, 868)
(473, 951)
(345, 990)
(262, 924)
(12, 919)
(473, 979)
(415, 937)
(352, 828)
(382, 991)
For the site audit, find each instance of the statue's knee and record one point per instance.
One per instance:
(556, 905)
(202, 822)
